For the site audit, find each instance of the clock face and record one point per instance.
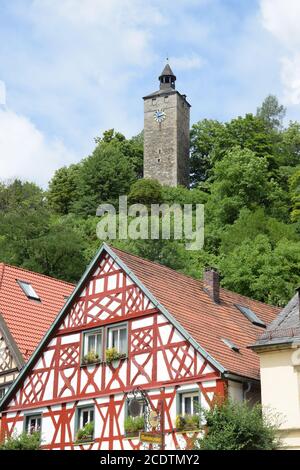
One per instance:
(159, 115)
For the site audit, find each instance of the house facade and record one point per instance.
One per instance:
(29, 302)
(135, 351)
(279, 352)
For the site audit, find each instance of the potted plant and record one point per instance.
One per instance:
(187, 422)
(133, 425)
(112, 356)
(85, 434)
(90, 358)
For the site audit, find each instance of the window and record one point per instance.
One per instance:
(166, 98)
(92, 346)
(189, 403)
(33, 423)
(117, 338)
(134, 419)
(153, 101)
(84, 423)
(85, 416)
(251, 316)
(2, 392)
(28, 290)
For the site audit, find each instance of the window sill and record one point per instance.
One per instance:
(183, 431)
(84, 441)
(116, 361)
(133, 435)
(83, 364)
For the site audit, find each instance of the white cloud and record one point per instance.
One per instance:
(187, 62)
(25, 152)
(281, 19)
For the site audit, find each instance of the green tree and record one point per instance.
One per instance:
(238, 426)
(145, 191)
(59, 253)
(211, 141)
(271, 112)
(206, 136)
(240, 180)
(295, 195)
(250, 224)
(17, 195)
(258, 270)
(132, 148)
(103, 177)
(62, 192)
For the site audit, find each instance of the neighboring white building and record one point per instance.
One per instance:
(279, 352)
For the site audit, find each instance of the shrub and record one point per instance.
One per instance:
(133, 425)
(90, 358)
(187, 422)
(238, 426)
(86, 432)
(22, 442)
(113, 354)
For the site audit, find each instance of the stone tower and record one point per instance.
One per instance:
(167, 133)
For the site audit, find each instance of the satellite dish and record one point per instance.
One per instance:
(134, 407)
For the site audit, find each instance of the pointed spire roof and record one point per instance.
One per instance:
(167, 71)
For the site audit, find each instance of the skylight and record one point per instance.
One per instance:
(28, 290)
(230, 344)
(251, 316)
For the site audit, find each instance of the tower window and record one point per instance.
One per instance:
(153, 101)
(166, 98)
(158, 160)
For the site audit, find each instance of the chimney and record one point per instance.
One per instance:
(211, 281)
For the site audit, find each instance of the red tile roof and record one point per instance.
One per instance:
(28, 320)
(206, 321)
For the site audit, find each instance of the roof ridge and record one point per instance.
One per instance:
(156, 263)
(6, 265)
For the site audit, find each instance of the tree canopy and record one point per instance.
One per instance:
(245, 171)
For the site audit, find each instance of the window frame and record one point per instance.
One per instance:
(127, 414)
(180, 400)
(5, 388)
(108, 336)
(78, 414)
(36, 297)
(27, 417)
(84, 352)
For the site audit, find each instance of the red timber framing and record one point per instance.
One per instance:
(161, 359)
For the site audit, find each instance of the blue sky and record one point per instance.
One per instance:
(69, 69)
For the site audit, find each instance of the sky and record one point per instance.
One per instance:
(70, 69)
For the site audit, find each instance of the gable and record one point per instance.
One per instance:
(107, 293)
(7, 361)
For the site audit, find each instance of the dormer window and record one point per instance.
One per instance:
(230, 344)
(251, 316)
(29, 290)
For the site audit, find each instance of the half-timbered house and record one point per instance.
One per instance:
(135, 329)
(29, 302)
